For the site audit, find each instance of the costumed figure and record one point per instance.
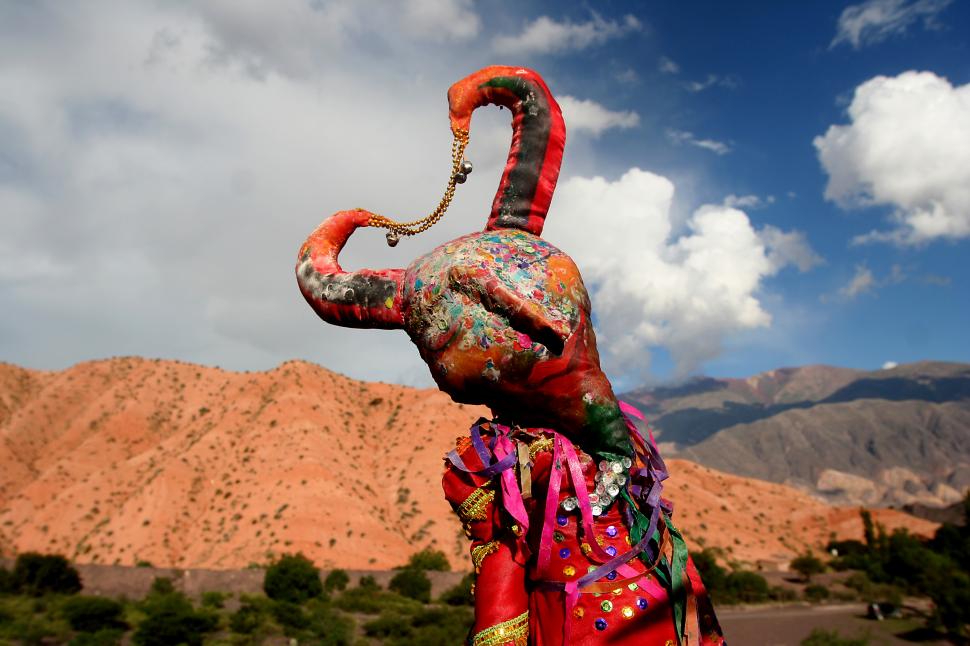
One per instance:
(560, 493)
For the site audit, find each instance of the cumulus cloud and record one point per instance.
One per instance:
(154, 191)
(584, 115)
(905, 147)
(874, 21)
(546, 35)
(680, 137)
(889, 365)
(653, 285)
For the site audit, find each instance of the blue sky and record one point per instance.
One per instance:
(780, 183)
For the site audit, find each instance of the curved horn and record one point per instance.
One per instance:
(538, 139)
(366, 298)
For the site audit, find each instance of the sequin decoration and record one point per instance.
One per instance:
(627, 612)
(633, 586)
(611, 575)
(611, 531)
(562, 520)
(578, 613)
(585, 547)
(607, 606)
(558, 536)
(564, 553)
(569, 570)
(610, 550)
(600, 624)
(642, 603)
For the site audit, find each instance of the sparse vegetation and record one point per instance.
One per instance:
(337, 580)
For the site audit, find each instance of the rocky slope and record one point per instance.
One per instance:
(888, 437)
(129, 460)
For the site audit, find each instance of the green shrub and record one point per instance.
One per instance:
(91, 614)
(6, 581)
(460, 594)
(293, 578)
(807, 564)
(37, 574)
(429, 559)
(816, 593)
(712, 574)
(336, 580)
(332, 628)
(820, 637)
(367, 582)
(214, 599)
(413, 584)
(746, 587)
(373, 602)
(290, 615)
(103, 637)
(247, 620)
(162, 585)
(172, 620)
(388, 625)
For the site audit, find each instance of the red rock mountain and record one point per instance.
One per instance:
(127, 460)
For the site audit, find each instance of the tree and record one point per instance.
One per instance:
(336, 580)
(429, 559)
(807, 564)
(293, 578)
(36, 574)
(91, 614)
(413, 584)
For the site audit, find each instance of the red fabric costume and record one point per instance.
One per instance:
(572, 542)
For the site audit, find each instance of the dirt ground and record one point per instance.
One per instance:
(789, 625)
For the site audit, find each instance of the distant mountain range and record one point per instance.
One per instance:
(129, 459)
(891, 437)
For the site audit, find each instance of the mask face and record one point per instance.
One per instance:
(501, 317)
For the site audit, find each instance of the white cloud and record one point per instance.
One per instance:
(680, 137)
(584, 115)
(788, 248)
(889, 365)
(652, 286)
(545, 35)
(876, 20)
(164, 180)
(667, 66)
(862, 282)
(907, 146)
(712, 80)
(748, 201)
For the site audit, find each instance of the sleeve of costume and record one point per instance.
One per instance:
(501, 600)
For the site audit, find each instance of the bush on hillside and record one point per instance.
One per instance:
(816, 593)
(91, 614)
(807, 564)
(171, 618)
(367, 582)
(461, 593)
(745, 587)
(336, 580)
(413, 584)
(330, 627)
(293, 578)
(37, 574)
(103, 637)
(247, 620)
(429, 559)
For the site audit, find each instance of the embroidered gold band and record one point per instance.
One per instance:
(540, 445)
(481, 551)
(515, 631)
(476, 504)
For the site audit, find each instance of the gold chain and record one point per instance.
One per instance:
(425, 223)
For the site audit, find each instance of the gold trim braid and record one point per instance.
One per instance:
(476, 505)
(480, 552)
(540, 445)
(514, 630)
